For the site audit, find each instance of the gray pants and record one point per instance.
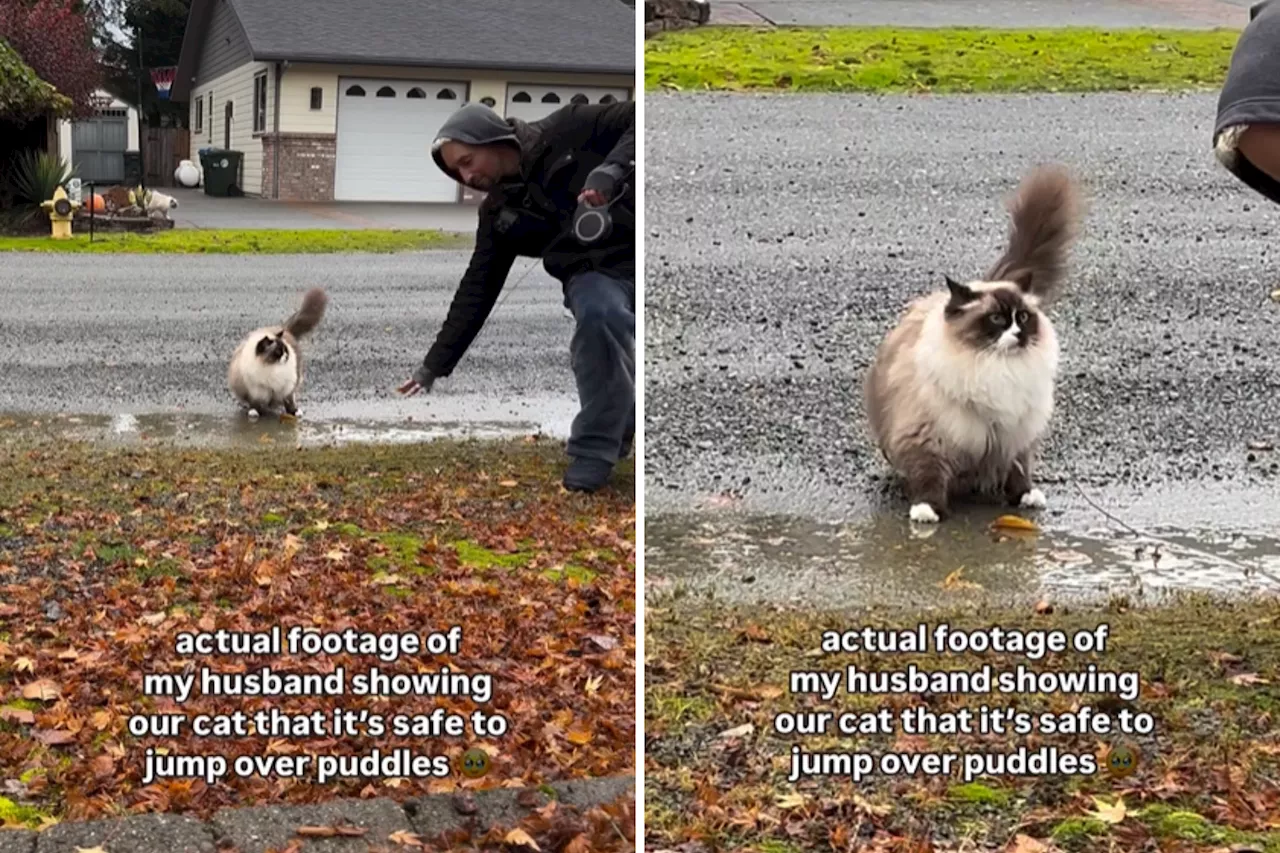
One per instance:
(603, 355)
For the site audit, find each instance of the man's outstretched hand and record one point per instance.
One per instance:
(595, 198)
(419, 382)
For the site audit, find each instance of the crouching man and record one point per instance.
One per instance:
(536, 174)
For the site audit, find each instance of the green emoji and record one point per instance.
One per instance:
(475, 763)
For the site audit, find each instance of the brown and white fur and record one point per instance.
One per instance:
(266, 368)
(962, 389)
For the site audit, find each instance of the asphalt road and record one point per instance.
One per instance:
(1190, 14)
(786, 233)
(152, 335)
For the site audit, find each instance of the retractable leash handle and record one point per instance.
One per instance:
(592, 224)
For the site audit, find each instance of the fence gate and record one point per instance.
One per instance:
(98, 145)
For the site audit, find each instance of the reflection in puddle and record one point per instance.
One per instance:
(239, 430)
(882, 559)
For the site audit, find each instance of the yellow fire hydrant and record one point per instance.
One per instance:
(60, 208)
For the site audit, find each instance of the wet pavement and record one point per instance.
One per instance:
(762, 317)
(131, 346)
(1178, 14)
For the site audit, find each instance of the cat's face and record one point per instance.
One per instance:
(993, 318)
(272, 348)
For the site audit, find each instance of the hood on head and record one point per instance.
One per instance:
(473, 124)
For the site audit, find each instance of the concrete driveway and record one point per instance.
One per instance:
(197, 210)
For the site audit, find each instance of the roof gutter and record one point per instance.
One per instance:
(320, 58)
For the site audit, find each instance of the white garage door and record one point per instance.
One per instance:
(385, 128)
(531, 102)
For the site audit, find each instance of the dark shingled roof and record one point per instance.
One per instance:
(584, 36)
(561, 35)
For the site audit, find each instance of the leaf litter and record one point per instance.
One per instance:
(136, 546)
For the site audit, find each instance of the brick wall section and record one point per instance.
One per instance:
(307, 162)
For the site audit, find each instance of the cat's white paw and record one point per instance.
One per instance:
(1035, 499)
(922, 513)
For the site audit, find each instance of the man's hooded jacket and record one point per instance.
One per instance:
(580, 146)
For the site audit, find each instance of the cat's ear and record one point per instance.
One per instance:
(1022, 278)
(960, 294)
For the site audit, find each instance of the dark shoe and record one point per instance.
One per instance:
(587, 475)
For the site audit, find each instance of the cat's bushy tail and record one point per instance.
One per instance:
(309, 315)
(1046, 210)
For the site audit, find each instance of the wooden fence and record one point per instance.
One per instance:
(164, 148)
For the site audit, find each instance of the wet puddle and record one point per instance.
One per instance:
(882, 559)
(235, 429)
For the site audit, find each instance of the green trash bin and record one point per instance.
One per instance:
(221, 171)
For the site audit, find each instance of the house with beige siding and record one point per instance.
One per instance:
(340, 99)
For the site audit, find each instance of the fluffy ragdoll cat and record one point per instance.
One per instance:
(266, 368)
(962, 389)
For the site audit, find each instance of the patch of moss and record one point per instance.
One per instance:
(404, 548)
(27, 776)
(474, 556)
(1078, 830)
(1185, 825)
(162, 568)
(398, 591)
(672, 710)
(116, 552)
(572, 572)
(772, 846)
(273, 519)
(977, 793)
(23, 705)
(13, 814)
(7, 532)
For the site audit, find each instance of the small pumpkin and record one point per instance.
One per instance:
(95, 203)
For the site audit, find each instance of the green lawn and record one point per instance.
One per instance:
(239, 242)
(896, 60)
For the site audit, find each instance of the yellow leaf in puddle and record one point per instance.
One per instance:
(1112, 814)
(953, 581)
(1014, 522)
(520, 838)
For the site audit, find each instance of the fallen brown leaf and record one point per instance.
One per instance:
(43, 690)
(1248, 679)
(520, 838)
